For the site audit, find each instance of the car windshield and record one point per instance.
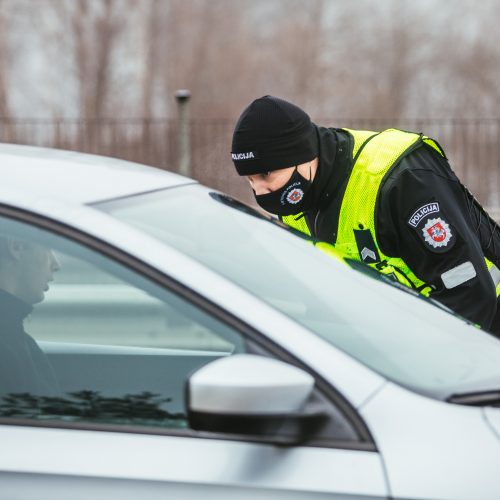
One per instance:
(402, 337)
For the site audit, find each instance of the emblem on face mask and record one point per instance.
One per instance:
(295, 196)
(290, 199)
(292, 194)
(437, 232)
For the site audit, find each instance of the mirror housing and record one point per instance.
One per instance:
(252, 395)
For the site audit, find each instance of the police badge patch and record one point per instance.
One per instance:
(437, 232)
(432, 227)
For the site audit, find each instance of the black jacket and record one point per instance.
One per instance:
(24, 368)
(420, 178)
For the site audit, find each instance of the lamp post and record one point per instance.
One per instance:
(184, 154)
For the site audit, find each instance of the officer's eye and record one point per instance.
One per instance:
(265, 174)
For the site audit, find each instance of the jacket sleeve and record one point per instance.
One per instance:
(424, 217)
(485, 227)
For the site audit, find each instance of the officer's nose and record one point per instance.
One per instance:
(262, 190)
(260, 186)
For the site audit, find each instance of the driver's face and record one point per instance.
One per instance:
(36, 269)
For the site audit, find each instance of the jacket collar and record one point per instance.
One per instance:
(334, 166)
(13, 309)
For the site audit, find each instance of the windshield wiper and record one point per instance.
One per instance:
(480, 398)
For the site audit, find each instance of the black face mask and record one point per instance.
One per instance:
(292, 198)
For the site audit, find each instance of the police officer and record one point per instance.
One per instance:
(388, 199)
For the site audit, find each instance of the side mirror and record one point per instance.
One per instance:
(247, 395)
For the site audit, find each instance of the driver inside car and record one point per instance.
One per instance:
(26, 269)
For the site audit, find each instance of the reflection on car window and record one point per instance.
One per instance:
(355, 264)
(84, 338)
(405, 339)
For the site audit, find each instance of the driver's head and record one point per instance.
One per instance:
(26, 269)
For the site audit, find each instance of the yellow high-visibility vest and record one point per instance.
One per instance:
(374, 154)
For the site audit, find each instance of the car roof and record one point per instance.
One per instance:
(77, 177)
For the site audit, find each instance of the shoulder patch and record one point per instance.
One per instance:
(420, 213)
(437, 232)
(433, 227)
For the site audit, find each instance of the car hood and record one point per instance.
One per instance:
(493, 419)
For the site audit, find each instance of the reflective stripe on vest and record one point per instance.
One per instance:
(495, 275)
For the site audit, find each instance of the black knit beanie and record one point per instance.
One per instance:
(271, 134)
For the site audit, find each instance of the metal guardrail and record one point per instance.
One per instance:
(473, 146)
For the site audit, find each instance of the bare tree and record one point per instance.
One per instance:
(93, 32)
(86, 36)
(152, 24)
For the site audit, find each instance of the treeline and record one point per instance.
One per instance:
(124, 58)
(113, 66)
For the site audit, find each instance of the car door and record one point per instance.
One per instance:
(98, 405)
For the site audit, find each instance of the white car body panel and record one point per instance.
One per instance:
(192, 462)
(404, 423)
(76, 177)
(493, 418)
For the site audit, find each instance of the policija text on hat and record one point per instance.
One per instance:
(388, 199)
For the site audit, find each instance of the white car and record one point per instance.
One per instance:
(200, 350)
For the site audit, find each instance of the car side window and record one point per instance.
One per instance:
(84, 338)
